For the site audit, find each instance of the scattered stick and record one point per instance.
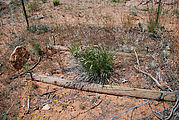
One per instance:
(142, 2)
(132, 113)
(47, 93)
(155, 80)
(28, 105)
(173, 3)
(95, 105)
(89, 109)
(155, 112)
(10, 108)
(174, 108)
(137, 57)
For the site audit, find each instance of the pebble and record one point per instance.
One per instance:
(46, 107)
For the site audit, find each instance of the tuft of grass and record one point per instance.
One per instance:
(152, 26)
(75, 49)
(44, 1)
(41, 28)
(97, 62)
(56, 2)
(38, 49)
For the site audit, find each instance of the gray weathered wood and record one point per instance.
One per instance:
(104, 89)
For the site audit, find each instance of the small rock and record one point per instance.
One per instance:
(46, 107)
(124, 80)
(39, 17)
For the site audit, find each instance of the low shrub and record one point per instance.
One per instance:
(97, 62)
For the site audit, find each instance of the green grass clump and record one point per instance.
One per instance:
(75, 49)
(97, 62)
(56, 2)
(38, 49)
(152, 26)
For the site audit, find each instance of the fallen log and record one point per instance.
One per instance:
(104, 89)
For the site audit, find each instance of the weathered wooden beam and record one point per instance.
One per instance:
(104, 89)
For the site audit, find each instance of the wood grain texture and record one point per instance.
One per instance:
(104, 89)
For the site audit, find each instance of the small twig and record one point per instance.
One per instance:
(174, 108)
(155, 80)
(30, 75)
(35, 64)
(19, 75)
(173, 3)
(137, 57)
(132, 113)
(155, 112)
(89, 109)
(10, 108)
(28, 105)
(94, 106)
(168, 87)
(48, 93)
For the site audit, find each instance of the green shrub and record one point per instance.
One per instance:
(97, 62)
(55, 2)
(75, 49)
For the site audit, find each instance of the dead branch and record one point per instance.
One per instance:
(103, 89)
(155, 80)
(19, 75)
